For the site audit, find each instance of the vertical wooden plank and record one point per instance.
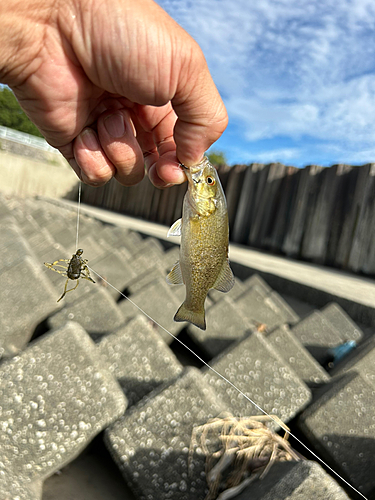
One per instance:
(268, 200)
(233, 192)
(359, 179)
(305, 196)
(315, 241)
(340, 214)
(363, 232)
(282, 210)
(246, 203)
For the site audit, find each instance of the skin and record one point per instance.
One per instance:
(113, 84)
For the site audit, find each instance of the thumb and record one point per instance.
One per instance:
(202, 117)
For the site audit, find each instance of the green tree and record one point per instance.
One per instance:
(217, 157)
(12, 115)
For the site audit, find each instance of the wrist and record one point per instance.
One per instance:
(23, 27)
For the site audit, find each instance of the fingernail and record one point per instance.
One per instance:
(89, 140)
(115, 125)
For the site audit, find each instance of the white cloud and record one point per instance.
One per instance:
(290, 67)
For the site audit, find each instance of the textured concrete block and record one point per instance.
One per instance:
(238, 289)
(257, 370)
(120, 238)
(98, 314)
(299, 359)
(340, 425)
(271, 310)
(277, 303)
(14, 252)
(317, 334)
(151, 442)
(139, 359)
(303, 480)
(65, 234)
(55, 397)
(225, 325)
(260, 283)
(115, 270)
(26, 298)
(160, 303)
(342, 322)
(364, 364)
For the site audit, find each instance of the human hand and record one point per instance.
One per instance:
(113, 84)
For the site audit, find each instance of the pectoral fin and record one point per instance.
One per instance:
(225, 280)
(175, 276)
(175, 229)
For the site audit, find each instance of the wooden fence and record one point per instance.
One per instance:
(319, 214)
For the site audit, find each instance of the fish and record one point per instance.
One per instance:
(203, 260)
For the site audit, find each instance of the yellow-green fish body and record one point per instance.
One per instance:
(204, 233)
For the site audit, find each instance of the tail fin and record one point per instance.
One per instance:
(197, 318)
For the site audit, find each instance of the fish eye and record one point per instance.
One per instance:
(210, 180)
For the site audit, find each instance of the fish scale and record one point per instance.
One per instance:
(204, 234)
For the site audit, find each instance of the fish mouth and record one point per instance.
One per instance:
(197, 167)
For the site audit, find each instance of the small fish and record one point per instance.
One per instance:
(204, 234)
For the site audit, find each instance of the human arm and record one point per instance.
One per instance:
(82, 67)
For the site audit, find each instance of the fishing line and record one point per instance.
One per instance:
(78, 210)
(232, 385)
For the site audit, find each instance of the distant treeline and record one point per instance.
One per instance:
(12, 115)
(320, 214)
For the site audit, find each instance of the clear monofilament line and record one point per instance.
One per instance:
(78, 211)
(234, 387)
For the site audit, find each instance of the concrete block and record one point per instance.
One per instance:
(22, 489)
(303, 480)
(55, 397)
(156, 274)
(150, 443)
(271, 311)
(258, 371)
(17, 249)
(41, 242)
(225, 325)
(277, 303)
(63, 233)
(92, 250)
(260, 283)
(98, 314)
(299, 359)
(138, 358)
(120, 238)
(10, 233)
(160, 303)
(238, 289)
(342, 322)
(364, 364)
(317, 334)
(26, 298)
(115, 270)
(340, 425)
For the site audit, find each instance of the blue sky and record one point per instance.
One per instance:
(297, 76)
